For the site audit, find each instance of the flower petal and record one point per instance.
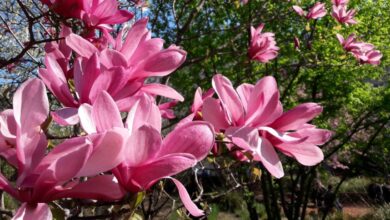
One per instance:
(186, 199)
(229, 97)
(196, 138)
(66, 116)
(39, 211)
(105, 113)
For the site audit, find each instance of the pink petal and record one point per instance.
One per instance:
(66, 116)
(186, 199)
(306, 154)
(299, 10)
(229, 97)
(264, 105)
(296, 117)
(145, 176)
(277, 137)
(270, 159)
(31, 108)
(144, 111)
(146, 49)
(142, 146)
(103, 187)
(244, 137)
(80, 45)
(8, 128)
(162, 90)
(198, 100)
(102, 83)
(161, 63)
(110, 58)
(107, 153)
(212, 112)
(314, 135)
(119, 17)
(39, 211)
(58, 87)
(64, 161)
(105, 113)
(31, 105)
(340, 38)
(7, 186)
(86, 120)
(119, 81)
(134, 37)
(244, 91)
(86, 71)
(105, 8)
(196, 138)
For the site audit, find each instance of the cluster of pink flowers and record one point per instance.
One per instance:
(365, 53)
(315, 12)
(120, 68)
(262, 46)
(252, 120)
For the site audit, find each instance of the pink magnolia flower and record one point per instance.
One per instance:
(365, 53)
(46, 177)
(372, 57)
(263, 46)
(252, 118)
(94, 13)
(348, 44)
(340, 2)
(343, 16)
(121, 71)
(148, 157)
(315, 12)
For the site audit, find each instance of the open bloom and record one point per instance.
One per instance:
(252, 118)
(340, 2)
(315, 12)
(365, 53)
(263, 46)
(46, 177)
(149, 157)
(343, 16)
(121, 71)
(348, 44)
(94, 13)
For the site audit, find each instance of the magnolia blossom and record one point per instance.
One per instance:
(94, 13)
(263, 46)
(365, 53)
(340, 2)
(121, 71)
(372, 56)
(343, 16)
(252, 118)
(315, 12)
(46, 177)
(149, 157)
